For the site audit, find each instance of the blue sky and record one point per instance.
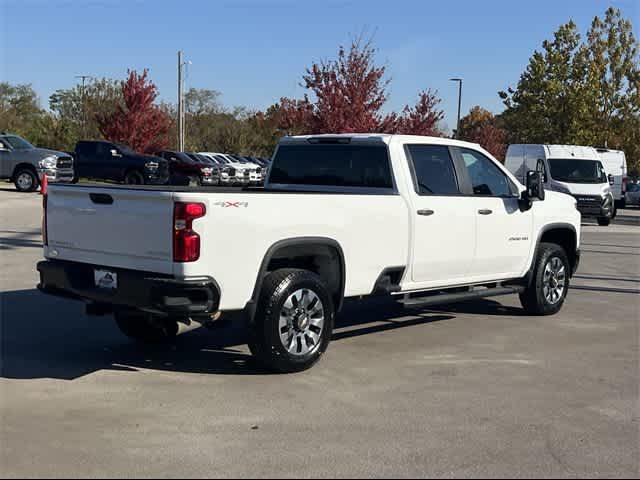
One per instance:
(255, 52)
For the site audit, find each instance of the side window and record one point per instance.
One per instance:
(102, 150)
(486, 177)
(87, 150)
(433, 170)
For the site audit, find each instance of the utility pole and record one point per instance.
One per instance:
(84, 103)
(180, 105)
(459, 80)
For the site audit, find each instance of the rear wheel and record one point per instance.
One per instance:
(26, 180)
(146, 328)
(294, 321)
(604, 221)
(548, 289)
(133, 177)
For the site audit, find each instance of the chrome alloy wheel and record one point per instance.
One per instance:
(301, 322)
(25, 181)
(554, 280)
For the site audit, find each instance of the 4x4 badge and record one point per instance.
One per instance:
(232, 204)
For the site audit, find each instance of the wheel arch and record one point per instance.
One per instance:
(23, 166)
(563, 234)
(306, 253)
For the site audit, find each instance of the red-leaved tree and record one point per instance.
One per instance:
(480, 126)
(138, 122)
(348, 96)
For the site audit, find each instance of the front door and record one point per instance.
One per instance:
(503, 230)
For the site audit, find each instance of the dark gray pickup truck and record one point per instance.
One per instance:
(24, 164)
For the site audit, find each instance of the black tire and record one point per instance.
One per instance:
(604, 221)
(75, 179)
(133, 177)
(264, 330)
(26, 180)
(146, 328)
(533, 299)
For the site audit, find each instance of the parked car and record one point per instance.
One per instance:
(255, 170)
(571, 169)
(102, 160)
(242, 171)
(425, 220)
(226, 173)
(615, 164)
(24, 164)
(632, 195)
(195, 171)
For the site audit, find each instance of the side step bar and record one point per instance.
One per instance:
(442, 298)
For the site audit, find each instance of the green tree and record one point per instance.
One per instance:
(78, 108)
(19, 108)
(543, 107)
(581, 92)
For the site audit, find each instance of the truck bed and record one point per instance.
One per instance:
(134, 229)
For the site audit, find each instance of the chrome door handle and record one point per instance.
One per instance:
(426, 213)
(485, 211)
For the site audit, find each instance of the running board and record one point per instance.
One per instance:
(460, 296)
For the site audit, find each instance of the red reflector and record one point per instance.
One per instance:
(186, 242)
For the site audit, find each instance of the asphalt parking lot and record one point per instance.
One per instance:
(475, 389)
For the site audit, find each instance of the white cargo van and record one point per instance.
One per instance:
(570, 169)
(615, 164)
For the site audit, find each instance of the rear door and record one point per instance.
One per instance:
(118, 227)
(443, 218)
(503, 231)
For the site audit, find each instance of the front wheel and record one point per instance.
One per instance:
(146, 328)
(604, 221)
(26, 180)
(293, 323)
(548, 289)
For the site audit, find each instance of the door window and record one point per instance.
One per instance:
(433, 170)
(486, 178)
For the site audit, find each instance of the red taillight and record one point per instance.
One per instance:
(44, 219)
(625, 181)
(186, 242)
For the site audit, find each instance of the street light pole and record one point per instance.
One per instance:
(84, 103)
(459, 80)
(180, 105)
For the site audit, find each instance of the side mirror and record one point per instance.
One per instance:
(542, 170)
(535, 186)
(114, 153)
(611, 180)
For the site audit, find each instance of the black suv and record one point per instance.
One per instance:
(100, 160)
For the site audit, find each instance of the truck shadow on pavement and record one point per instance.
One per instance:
(47, 337)
(11, 239)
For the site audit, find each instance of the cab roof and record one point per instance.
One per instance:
(328, 138)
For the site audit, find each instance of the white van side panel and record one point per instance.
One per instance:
(514, 161)
(615, 164)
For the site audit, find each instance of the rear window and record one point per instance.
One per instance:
(332, 165)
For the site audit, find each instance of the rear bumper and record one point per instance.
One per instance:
(140, 290)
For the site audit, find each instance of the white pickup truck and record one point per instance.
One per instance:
(427, 220)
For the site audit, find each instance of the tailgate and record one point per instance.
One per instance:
(116, 227)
